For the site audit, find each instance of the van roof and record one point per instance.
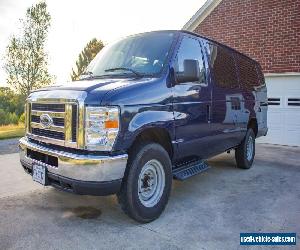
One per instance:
(206, 38)
(221, 44)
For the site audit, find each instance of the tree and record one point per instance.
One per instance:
(11, 101)
(86, 56)
(26, 60)
(11, 106)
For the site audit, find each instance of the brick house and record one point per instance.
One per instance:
(268, 31)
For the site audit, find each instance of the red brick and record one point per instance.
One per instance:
(266, 30)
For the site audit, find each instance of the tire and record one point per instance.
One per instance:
(245, 152)
(139, 199)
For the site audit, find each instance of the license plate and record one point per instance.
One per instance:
(39, 174)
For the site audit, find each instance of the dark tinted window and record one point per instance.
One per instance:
(260, 74)
(223, 66)
(247, 72)
(190, 49)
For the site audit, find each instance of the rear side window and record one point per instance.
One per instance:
(223, 66)
(190, 49)
(260, 74)
(247, 72)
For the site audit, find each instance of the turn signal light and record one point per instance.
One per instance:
(111, 124)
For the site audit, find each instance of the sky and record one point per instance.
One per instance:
(75, 22)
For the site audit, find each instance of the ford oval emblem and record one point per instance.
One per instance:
(46, 121)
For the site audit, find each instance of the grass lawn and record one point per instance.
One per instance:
(11, 131)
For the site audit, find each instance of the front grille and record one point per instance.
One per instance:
(48, 107)
(60, 124)
(74, 123)
(35, 118)
(48, 133)
(56, 121)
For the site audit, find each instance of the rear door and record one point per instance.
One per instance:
(192, 103)
(261, 105)
(254, 91)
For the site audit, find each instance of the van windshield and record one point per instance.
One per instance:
(141, 55)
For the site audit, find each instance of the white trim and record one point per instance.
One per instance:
(283, 74)
(201, 14)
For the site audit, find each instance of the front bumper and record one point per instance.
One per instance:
(77, 172)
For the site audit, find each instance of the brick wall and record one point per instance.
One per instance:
(266, 30)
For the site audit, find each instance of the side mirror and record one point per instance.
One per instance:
(190, 71)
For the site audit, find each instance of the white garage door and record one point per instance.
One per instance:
(283, 110)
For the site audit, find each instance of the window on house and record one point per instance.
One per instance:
(294, 102)
(274, 101)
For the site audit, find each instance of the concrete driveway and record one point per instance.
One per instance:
(207, 211)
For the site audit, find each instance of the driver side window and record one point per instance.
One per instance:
(190, 49)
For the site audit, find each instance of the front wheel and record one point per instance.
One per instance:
(147, 184)
(245, 152)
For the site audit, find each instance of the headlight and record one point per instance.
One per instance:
(101, 127)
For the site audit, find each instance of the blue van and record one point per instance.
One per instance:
(149, 108)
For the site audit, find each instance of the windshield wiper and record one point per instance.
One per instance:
(89, 75)
(124, 68)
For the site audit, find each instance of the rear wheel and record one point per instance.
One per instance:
(147, 183)
(245, 152)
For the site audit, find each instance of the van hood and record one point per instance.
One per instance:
(95, 89)
(89, 85)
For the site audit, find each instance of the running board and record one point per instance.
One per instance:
(190, 170)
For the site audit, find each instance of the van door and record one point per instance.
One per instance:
(191, 103)
(228, 106)
(261, 103)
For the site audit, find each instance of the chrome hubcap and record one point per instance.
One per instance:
(250, 148)
(151, 183)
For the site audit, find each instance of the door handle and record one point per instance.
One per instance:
(208, 113)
